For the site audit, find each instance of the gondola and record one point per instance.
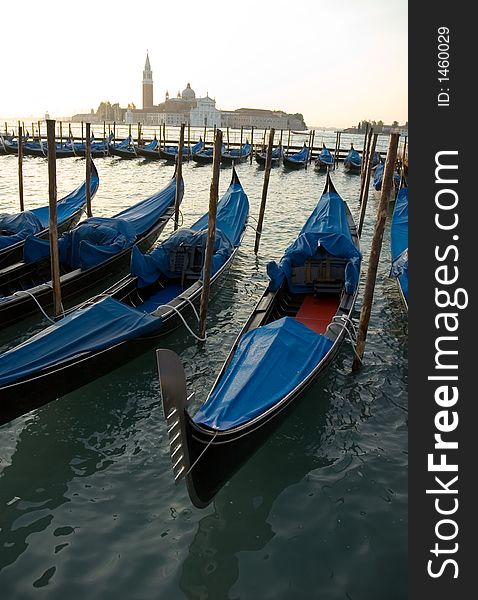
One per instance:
(399, 243)
(125, 149)
(353, 162)
(128, 318)
(96, 249)
(235, 155)
(170, 153)
(298, 160)
(15, 228)
(205, 155)
(293, 333)
(325, 160)
(277, 152)
(40, 149)
(99, 149)
(150, 150)
(378, 177)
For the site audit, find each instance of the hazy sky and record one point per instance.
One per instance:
(336, 62)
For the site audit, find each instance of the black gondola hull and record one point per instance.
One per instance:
(294, 164)
(75, 283)
(24, 395)
(203, 159)
(122, 153)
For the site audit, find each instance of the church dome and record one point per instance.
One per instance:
(188, 93)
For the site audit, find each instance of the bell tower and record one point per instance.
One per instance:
(147, 84)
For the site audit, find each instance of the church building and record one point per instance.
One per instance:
(184, 108)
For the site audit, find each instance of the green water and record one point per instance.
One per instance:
(88, 507)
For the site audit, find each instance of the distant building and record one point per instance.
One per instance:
(261, 118)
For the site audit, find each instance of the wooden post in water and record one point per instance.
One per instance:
(61, 133)
(227, 135)
(366, 144)
(267, 172)
(52, 225)
(402, 164)
(39, 131)
(252, 144)
(211, 232)
(311, 146)
(164, 136)
(189, 141)
(205, 131)
(288, 144)
(365, 188)
(82, 136)
(376, 247)
(240, 145)
(363, 170)
(104, 132)
(179, 175)
(20, 168)
(88, 170)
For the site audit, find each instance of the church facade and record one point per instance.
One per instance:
(184, 108)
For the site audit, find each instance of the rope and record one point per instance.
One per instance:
(176, 310)
(197, 459)
(345, 322)
(28, 293)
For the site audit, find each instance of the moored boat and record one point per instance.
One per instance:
(236, 154)
(353, 161)
(276, 157)
(96, 249)
(15, 228)
(128, 318)
(399, 243)
(325, 160)
(170, 153)
(297, 160)
(292, 335)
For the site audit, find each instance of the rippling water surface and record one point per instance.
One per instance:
(88, 507)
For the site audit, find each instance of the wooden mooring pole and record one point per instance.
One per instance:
(88, 170)
(252, 144)
(179, 176)
(311, 148)
(267, 173)
(376, 247)
(288, 144)
(364, 169)
(366, 185)
(20, 168)
(211, 232)
(52, 225)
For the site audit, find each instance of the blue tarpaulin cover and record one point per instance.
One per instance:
(231, 219)
(399, 240)
(269, 363)
(87, 245)
(98, 326)
(244, 151)
(14, 228)
(325, 156)
(98, 238)
(175, 149)
(33, 221)
(353, 157)
(209, 151)
(378, 177)
(326, 228)
(300, 156)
